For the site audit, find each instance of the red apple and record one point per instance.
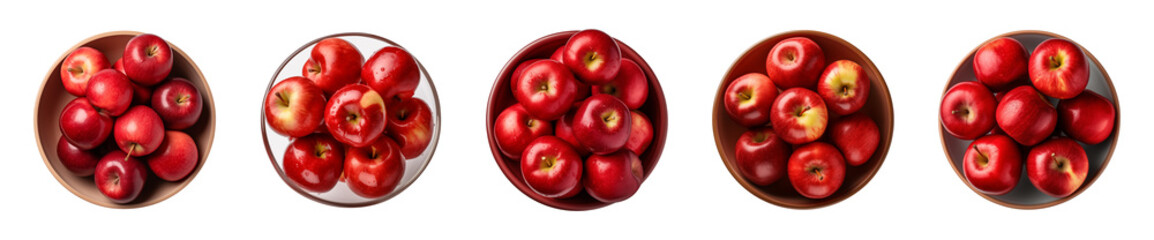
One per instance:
(175, 158)
(392, 72)
(1000, 62)
(374, 171)
(1057, 167)
(564, 129)
(410, 123)
(761, 156)
(993, 164)
(602, 124)
(1026, 116)
(546, 89)
(967, 110)
(147, 59)
(120, 177)
(294, 107)
(110, 91)
(513, 80)
(178, 103)
(333, 63)
(514, 129)
(816, 170)
(748, 99)
(314, 162)
(630, 85)
(141, 95)
(139, 132)
(1088, 118)
(844, 86)
(799, 116)
(641, 133)
(1058, 69)
(355, 115)
(795, 62)
(78, 161)
(593, 56)
(856, 136)
(558, 55)
(84, 126)
(613, 177)
(78, 67)
(551, 167)
(119, 66)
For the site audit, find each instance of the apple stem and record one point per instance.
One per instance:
(131, 148)
(76, 71)
(984, 160)
(282, 98)
(743, 95)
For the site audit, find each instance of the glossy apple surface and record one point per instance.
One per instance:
(857, 137)
(78, 161)
(1000, 62)
(83, 125)
(147, 59)
(546, 89)
(761, 156)
(593, 56)
(613, 177)
(1058, 69)
(314, 162)
(816, 170)
(968, 110)
(355, 115)
(410, 123)
(110, 91)
(795, 62)
(993, 164)
(844, 86)
(78, 67)
(603, 124)
(514, 129)
(120, 177)
(1088, 118)
(748, 99)
(294, 107)
(799, 116)
(178, 103)
(375, 170)
(551, 167)
(139, 131)
(1057, 167)
(333, 63)
(1026, 115)
(563, 128)
(641, 133)
(630, 85)
(392, 72)
(175, 158)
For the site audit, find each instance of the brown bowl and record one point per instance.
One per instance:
(1025, 195)
(53, 97)
(879, 107)
(501, 97)
(340, 195)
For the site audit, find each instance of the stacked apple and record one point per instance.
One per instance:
(140, 105)
(1004, 114)
(350, 120)
(810, 130)
(576, 125)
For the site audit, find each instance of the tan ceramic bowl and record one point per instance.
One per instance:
(1025, 195)
(340, 195)
(879, 107)
(53, 97)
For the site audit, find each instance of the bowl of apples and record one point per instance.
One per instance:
(350, 119)
(1029, 119)
(803, 120)
(124, 119)
(576, 120)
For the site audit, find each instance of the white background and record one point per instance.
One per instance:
(238, 45)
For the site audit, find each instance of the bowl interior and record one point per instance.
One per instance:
(53, 97)
(1025, 195)
(341, 195)
(501, 97)
(879, 107)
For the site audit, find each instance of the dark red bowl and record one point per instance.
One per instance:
(501, 97)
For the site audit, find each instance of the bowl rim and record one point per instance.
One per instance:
(135, 204)
(657, 145)
(831, 200)
(1114, 135)
(432, 148)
